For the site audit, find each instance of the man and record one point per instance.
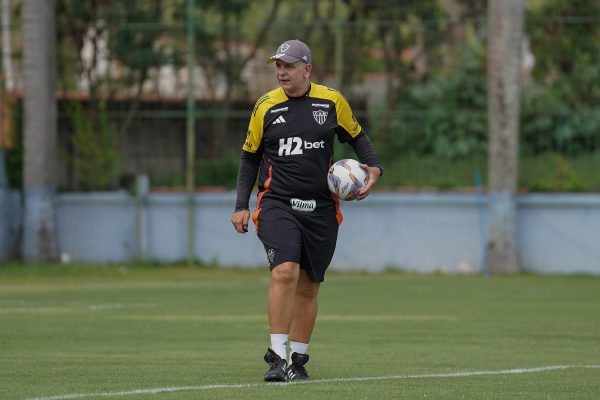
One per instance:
(290, 146)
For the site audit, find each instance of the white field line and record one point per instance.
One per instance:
(463, 374)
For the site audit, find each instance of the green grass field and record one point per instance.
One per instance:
(147, 332)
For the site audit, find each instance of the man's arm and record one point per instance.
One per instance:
(367, 155)
(249, 165)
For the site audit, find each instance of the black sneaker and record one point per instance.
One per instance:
(296, 370)
(277, 367)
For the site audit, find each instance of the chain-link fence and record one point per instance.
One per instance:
(414, 73)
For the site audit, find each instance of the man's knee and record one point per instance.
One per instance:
(285, 273)
(307, 288)
(307, 293)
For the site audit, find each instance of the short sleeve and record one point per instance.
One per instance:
(345, 117)
(255, 130)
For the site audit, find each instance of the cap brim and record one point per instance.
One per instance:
(285, 58)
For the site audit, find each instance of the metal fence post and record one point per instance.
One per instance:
(142, 188)
(190, 134)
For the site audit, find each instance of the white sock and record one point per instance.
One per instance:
(279, 343)
(297, 347)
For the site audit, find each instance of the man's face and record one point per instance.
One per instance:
(293, 78)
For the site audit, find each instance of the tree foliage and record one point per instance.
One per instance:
(562, 115)
(96, 164)
(112, 47)
(428, 53)
(445, 115)
(564, 34)
(560, 110)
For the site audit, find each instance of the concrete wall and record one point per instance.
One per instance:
(10, 223)
(413, 232)
(10, 214)
(560, 233)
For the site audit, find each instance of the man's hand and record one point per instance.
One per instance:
(374, 173)
(240, 219)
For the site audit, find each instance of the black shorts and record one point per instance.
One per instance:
(306, 239)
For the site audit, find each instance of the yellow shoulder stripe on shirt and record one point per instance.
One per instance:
(345, 118)
(256, 128)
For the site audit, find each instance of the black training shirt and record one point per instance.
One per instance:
(295, 137)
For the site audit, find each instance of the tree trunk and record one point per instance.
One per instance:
(9, 80)
(5, 237)
(505, 29)
(39, 240)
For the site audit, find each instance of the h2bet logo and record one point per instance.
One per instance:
(294, 145)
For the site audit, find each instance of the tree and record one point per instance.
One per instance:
(97, 38)
(223, 51)
(40, 239)
(564, 34)
(505, 30)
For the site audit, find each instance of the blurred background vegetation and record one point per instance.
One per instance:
(414, 72)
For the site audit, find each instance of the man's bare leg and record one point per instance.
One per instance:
(280, 303)
(303, 323)
(305, 309)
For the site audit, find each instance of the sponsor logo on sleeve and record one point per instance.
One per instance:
(355, 126)
(247, 143)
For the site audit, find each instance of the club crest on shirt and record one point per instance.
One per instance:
(320, 116)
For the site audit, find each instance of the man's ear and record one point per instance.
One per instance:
(307, 70)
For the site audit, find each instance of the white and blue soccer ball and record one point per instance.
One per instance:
(346, 178)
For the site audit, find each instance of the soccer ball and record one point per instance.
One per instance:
(346, 178)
